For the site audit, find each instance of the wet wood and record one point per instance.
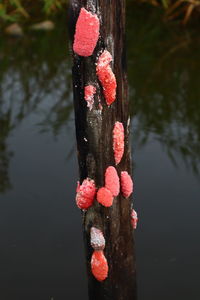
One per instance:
(95, 153)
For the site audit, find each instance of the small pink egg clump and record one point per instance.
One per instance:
(78, 187)
(112, 181)
(134, 218)
(126, 184)
(106, 77)
(118, 141)
(85, 193)
(105, 197)
(97, 240)
(86, 33)
(89, 92)
(99, 265)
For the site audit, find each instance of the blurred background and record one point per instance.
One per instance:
(41, 248)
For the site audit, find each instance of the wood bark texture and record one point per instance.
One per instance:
(95, 149)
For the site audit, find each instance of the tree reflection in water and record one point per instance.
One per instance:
(163, 67)
(34, 78)
(164, 63)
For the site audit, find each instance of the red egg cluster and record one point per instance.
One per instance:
(111, 189)
(106, 77)
(99, 265)
(86, 33)
(126, 184)
(134, 218)
(89, 92)
(105, 197)
(85, 193)
(118, 141)
(112, 181)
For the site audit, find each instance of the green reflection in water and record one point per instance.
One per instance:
(35, 77)
(163, 67)
(164, 64)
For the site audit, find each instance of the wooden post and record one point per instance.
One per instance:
(95, 149)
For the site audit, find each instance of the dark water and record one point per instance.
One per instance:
(41, 251)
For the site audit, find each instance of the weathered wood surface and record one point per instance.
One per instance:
(95, 152)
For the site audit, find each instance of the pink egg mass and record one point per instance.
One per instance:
(85, 193)
(134, 218)
(89, 92)
(118, 141)
(112, 181)
(105, 197)
(99, 265)
(86, 33)
(106, 77)
(126, 184)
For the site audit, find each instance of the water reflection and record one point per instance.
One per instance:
(33, 79)
(164, 63)
(163, 74)
(5, 153)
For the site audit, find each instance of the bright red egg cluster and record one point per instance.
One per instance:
(118, 141)
(99, 265)
(112, 181)
(86, 33)
(126, 184)
(106, 77)
(85, 193)
(105, 197)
